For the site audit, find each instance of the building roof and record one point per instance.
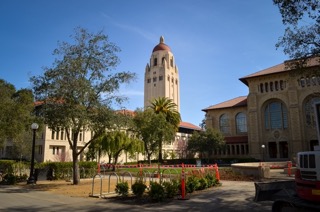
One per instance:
(283, 67)
(161, 46)
(126, 112)
(182, 124)
(188, 125)
(236, 102)
(273, 70)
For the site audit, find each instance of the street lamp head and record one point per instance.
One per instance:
(34, 126)
(263, 146)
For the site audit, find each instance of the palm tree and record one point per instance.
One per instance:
(167, 107)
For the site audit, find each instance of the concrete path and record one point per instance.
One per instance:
(231, 196)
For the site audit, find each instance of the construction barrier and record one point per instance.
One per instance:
(183, 184)
(109, 166)
(289, 168)
(215, 166)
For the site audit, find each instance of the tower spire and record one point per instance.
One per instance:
(161, 39)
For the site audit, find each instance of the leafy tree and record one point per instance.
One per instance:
(181, 146)
(152, 128)
(16, 117)
(6, 92)
(203, 124)
(78, 90)
(115, 142)
(121, 121)
(166, 106)
(302, 35)
(206, 142)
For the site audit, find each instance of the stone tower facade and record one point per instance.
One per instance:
(161, 76)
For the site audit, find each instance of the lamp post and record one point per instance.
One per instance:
(263, 147)
(184, 155)
(31, 179)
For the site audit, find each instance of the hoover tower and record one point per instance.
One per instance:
(161, 76)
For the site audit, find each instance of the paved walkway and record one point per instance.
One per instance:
(231, 196)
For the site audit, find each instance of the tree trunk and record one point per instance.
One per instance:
(160, 152)
(114, 163)
(99, 155)
(149, 158)
(109, 158)
(75, 166)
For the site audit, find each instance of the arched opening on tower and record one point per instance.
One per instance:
(163, 59)
(155, 61)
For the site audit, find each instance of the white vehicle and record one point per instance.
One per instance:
(302, 193)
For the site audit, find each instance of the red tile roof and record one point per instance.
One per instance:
(236, 102)
(37, 103)
(126, 112)
(132, 113)
(189, 126)
(182, 124)
(283, 67)
(160, 47)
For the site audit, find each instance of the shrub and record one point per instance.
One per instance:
(210, 180)
(171, 188)
(64, 170)
(9, 179)
(122, 189)
(156, 191)
(6, 166)
(203, 184)
(216, 182)
(192, 184)
(138, 188)
(22, 178)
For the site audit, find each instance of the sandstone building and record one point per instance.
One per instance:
(161, 80)
(276, 120)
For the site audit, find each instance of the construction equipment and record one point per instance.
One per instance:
(302, 193)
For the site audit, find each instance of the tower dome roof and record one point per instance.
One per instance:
(161, 46)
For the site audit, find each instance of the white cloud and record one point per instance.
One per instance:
(137, 30)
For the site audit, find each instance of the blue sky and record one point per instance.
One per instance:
(215, 42)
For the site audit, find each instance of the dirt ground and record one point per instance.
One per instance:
(83, 189)
(87, 187)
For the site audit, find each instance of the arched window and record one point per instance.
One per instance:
(155, 62)
(309, 111)
(302, 82)
(241, 123)
(271, 86)
(266, 86)
(224, 123)
(308, 81)
(314, 80)
(276, 116)
(163, 59)
(261, 87)
(282, 85)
